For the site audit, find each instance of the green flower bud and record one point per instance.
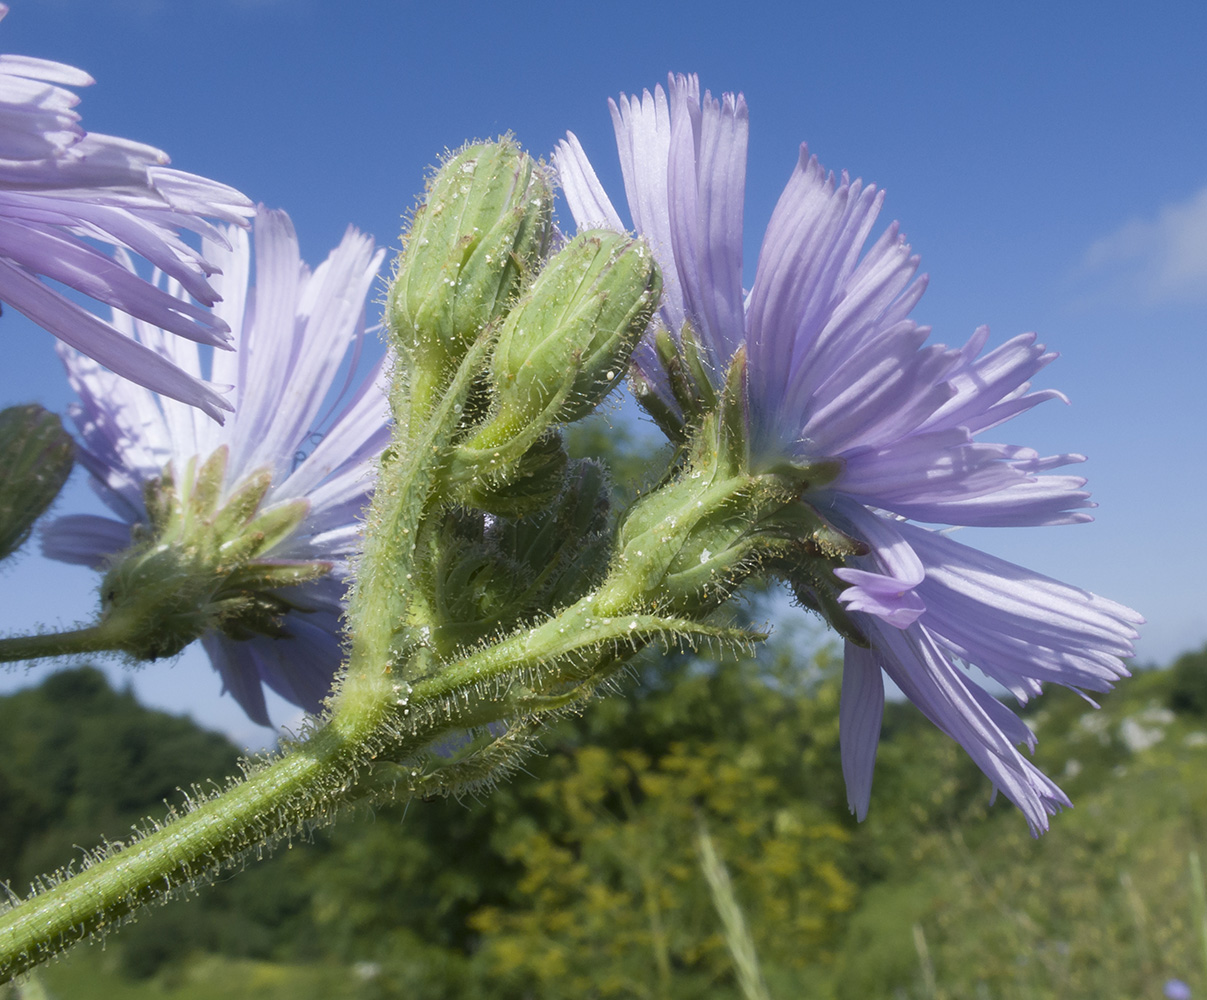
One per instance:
(203, 564)
(497, 482)
(495, 572)
(567, 344)
(482, 230)
(36, 456)
(560, 351)
(569, 539)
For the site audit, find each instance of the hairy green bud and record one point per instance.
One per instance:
(509, 481)
(560, 351)
(482, 230)
(565, 545)
(567, 344)
(492, 574)
(36, 456)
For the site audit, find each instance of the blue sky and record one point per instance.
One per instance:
(1048, 162)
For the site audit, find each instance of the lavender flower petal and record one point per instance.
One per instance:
(859, 716)
(85, 540)
(62, 189)
(706, 180)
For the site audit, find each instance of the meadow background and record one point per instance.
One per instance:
(581, 878)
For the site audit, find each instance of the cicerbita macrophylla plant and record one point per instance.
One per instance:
(62, 189)
(243, 535)
(495, 588)
(835, 378)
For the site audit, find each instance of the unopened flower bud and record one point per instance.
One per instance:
(509, 485)
(495, 572)
(558, 551)
(567, 344)
(568, 535)
(563, 347)
(36, 455)
(481, 232)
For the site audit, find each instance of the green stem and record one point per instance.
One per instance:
(378, 606)
(103, 637)
(303, 787)
(313, 777)
(293, 792)
(268, 806)
(576, 645)
(377, 714)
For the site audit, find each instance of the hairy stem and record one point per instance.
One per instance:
(312, 778)
(99, 638)
(378, 605)
(272, 804)
(303, 787)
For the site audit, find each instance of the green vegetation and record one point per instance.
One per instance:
(584, 878)
(81, 763)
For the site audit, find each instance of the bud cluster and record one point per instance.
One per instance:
(514, 347)
(496, 583)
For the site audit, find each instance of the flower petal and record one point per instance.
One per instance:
(859, 716)
(706, 185)
(59, 186)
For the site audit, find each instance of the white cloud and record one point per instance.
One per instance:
(1163, 260)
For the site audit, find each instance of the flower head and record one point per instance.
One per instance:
(838, 373)
(63, 189)
(268, 505)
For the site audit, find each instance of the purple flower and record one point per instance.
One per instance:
(293, 331)
(62, 190)
(1175, 989)
(836, 371)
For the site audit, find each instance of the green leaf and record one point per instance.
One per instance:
(36, 455)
